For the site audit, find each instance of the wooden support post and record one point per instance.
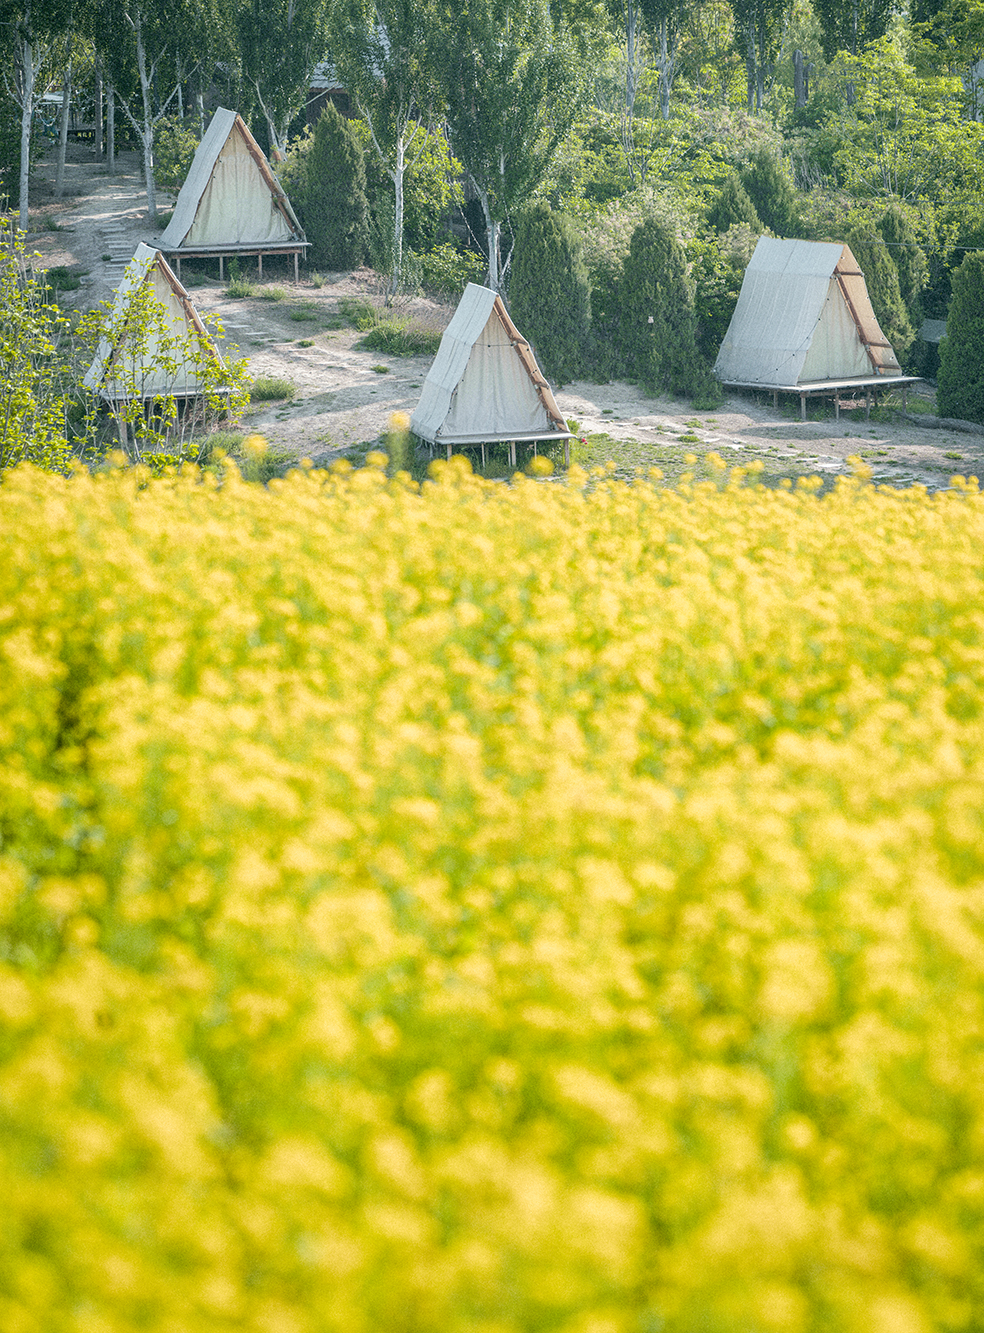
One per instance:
(775, 399)
(512, 453)
(296, 278)
(867, 403)
(259, 263)
(837, 407)
(221, 270)
(567, 452)
(802, 407)
(449, 453)
(905, 399)
(483, 455)
(177, 259)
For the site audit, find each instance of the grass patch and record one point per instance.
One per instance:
(952, 455)
(239, 288)
(51, 224)
(267, 389)
(359, 312)
(317, 281)
(398, 337)
(272, 294)
(304, 313)
(385, 370)
(61, 279)
(305, 342)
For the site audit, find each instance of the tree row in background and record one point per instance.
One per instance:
(720, 121)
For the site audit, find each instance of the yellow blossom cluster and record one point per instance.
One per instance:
(490, 909)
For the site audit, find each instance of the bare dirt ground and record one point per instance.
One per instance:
(343, 395)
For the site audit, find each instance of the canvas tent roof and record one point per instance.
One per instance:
(803, 316)
(484, 383)
(230, 197)
(122, 369)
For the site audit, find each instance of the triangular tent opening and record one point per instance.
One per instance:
(231, 200)
(803, 317)
(159, 362)
(484, 384)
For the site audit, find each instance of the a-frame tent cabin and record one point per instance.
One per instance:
(135, 362)
(231, 202)
(485, 385)
(804, 323)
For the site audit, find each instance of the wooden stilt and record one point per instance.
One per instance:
(449, 453)
(259, 264)
(802, 407)
(296, 278)
(221, 269)
(567, 453)
(837, 408)
(775, 399)
(512, 453)
(905, 398)
(867, 404)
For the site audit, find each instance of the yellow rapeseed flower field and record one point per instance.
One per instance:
(545, 908)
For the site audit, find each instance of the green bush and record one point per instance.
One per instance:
(359, 312)
(899, 235)
(448, 269)
(770, 189)
(960, 384)
(658, 328)
(882, 280)
(401, 337)
(733, 206)
(267, 388)
(175, 141)
(549, 296)
(335, 210)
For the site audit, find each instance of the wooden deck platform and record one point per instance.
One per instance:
(836, 389)
(224, 252)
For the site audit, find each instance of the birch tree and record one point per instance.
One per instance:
(377, 49)
(510, 79)
(280, 42)
(31, 28)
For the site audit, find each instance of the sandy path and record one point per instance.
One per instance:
(343, 395)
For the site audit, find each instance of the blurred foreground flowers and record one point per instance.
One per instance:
(489, 908)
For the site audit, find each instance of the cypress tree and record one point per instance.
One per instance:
(549, 296)
(772, 194)
(960, 384)
(658, 331)
(882, 280)
(908, 256)
(733, 205)
(335, 210)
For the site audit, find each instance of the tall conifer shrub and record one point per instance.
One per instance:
(960, 384)
(335, 210)
(658, 328)
(549, 296)
(772, 193)
(732, 206)
(882, 280)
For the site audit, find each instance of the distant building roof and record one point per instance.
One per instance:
(932, 330)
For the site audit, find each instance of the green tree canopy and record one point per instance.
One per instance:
(549, 296)
(960, 384)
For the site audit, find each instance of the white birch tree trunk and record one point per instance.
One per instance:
(111, 130)
(66, 107)
(97, 130)
(492, 236)
(398, 173)
(27, 115)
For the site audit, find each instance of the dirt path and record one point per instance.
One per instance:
(343, 395)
